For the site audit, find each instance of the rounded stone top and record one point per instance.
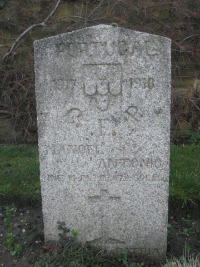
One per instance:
(104, 29)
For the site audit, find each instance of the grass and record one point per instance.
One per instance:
(189, 261)
(185, 173)
(74, 255)
(19, 172)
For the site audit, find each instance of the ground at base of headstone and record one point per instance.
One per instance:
(22, 243)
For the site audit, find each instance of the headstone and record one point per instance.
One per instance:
(103, 105)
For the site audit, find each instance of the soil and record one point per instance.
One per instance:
(25, 222)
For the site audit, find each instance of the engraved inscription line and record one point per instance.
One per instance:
(130, 162)
(121, 47)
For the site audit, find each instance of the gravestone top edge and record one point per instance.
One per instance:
(98, 27)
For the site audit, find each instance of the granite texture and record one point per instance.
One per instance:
(103, 107)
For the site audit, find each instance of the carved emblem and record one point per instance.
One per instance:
(103, 82)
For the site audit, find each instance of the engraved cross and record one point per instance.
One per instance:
(104, 198)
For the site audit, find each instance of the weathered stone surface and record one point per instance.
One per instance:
(103, 105)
